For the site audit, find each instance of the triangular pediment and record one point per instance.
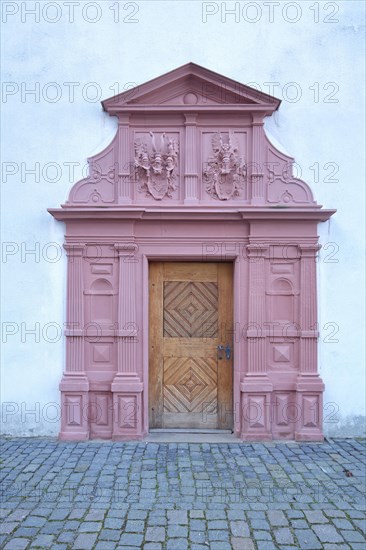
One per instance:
(190, 85)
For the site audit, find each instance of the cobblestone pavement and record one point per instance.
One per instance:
(104, 495)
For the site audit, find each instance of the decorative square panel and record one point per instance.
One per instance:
(73, 405)
(255, 411)
(310, 404)
(286, 410)
(127, 411)
(101, 353)
(281, 404)
(99, 407)
(281, 353)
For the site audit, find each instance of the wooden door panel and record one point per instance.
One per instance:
(190, 315)
(189, 383)
(189, 307)
(190, 271)
(189, 347)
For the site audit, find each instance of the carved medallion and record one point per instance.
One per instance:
(225, 171)
(156, 166)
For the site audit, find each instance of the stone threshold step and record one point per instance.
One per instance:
(188, 431)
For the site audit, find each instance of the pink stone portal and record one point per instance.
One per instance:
(191, 175)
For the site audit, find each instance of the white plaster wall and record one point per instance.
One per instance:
(255, 45)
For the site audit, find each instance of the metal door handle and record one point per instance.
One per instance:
(228, 351)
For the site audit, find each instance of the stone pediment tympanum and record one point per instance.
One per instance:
(192, 86)
(191, 137)
(191, 282)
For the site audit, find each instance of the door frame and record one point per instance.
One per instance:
(238, 324)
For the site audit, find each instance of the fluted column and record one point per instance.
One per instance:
(308, 310)
(191, 171)
(256, 173)
(74, 311)
(127, 326)
(125, 166)
(257, 310)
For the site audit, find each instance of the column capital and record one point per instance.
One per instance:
(309, 250)
(190, 119)
(126, 249)
(257, 119)
(257, 250)
(74, 249)
(123, 119)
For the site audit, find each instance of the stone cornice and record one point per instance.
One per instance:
(200, 213)
(264, 109)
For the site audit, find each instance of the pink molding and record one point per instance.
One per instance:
(191, 175)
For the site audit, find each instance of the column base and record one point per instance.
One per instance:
(192, 202)
(122, 382)
(258, 201)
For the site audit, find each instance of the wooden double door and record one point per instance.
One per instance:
(190, 345)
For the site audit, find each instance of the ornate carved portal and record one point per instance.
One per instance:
(191, 178)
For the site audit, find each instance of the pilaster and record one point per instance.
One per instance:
(191, 160)
(256, 387)
(126, 386)
(74, 385)
(309, 386)
(124, 161)
(256, 173)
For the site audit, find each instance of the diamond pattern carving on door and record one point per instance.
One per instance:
(189, 309)
(189, 383)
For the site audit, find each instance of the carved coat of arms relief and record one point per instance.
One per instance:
(224, 174)
(156, 164)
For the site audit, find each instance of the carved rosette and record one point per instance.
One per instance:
(225, 172)
(156, 170)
